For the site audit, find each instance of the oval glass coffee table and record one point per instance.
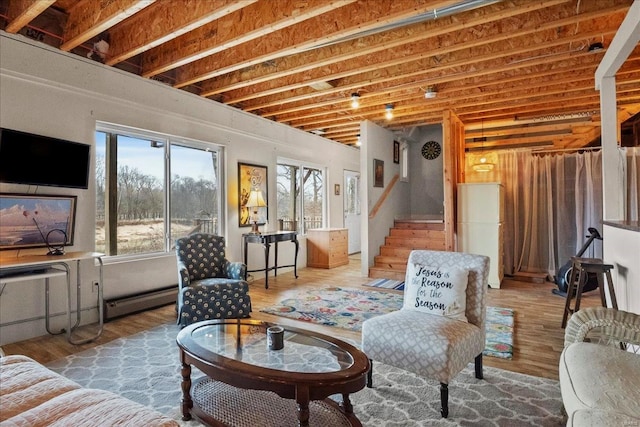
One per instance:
(246, 384)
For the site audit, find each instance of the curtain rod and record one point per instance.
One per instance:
(557, 150)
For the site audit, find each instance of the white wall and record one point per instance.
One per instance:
(426, 176)
(48, 92)
(621, 248)
(377, 143)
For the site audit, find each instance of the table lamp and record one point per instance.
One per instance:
(254, 202)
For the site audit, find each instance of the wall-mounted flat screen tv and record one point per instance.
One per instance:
(26, 158)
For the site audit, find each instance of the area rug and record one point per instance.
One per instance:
(341, 307)
(146, 369)
(347, 308)
(499, 327)
(386, 284)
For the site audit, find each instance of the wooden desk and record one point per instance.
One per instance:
(34, 267)
(266, 239)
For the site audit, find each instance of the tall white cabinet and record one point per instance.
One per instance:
(480, 224)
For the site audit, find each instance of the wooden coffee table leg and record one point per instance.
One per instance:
(302, 399)
(346, 404)
(187, 403)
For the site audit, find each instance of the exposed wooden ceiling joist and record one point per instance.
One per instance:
(298, 62)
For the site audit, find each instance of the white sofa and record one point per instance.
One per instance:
(32, 395)
(600, 383)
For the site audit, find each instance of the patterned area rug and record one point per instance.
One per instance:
(348, 308)
(499, 328)
(341, 307)
(146, 368)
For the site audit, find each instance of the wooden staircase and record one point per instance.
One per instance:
(405, 236)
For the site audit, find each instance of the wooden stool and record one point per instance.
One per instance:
(580, 271)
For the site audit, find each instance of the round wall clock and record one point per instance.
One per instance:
(431, 150)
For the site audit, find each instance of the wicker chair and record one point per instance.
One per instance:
(429, 345)
(210, 286)
(599, 369)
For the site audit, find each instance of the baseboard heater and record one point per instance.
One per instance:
(139, 302)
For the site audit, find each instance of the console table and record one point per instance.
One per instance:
(35, 267)
(266, 239)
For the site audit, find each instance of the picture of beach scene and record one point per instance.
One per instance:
(27, 220)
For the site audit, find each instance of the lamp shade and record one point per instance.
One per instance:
(256, 200)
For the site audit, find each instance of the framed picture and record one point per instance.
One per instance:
(251, 177)
(336, 189)
(36, 221)
(378, 173)
(396, 152)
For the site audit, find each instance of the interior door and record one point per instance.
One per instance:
(352, 209)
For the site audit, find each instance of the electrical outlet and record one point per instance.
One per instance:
(94, 288)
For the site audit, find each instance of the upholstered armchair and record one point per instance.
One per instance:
(599, 370)
(435, 334)
(210, 286)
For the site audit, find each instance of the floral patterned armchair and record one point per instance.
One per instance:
(209, 286)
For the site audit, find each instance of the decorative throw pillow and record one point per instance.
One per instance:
(436, 290)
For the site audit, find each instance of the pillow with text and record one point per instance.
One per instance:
(436, 290)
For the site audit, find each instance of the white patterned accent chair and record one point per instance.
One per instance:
(432, 345)
(210, 286)
(599, 380)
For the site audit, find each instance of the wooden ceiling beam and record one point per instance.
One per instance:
(363, 47)
(21, 12)
(483, 73)
(87, 21)
(349, 59)
(339, 23)
(253, 21)
(463, 99)
(495, 58)
(139, 34)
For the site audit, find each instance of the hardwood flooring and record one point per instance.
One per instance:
(538, 338)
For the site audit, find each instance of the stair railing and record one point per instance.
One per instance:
(384, 196)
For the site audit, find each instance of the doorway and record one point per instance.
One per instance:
(352, 209)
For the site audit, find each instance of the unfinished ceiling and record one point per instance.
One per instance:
(518, 73)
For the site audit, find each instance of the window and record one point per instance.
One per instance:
(296, 212)
(152, 189)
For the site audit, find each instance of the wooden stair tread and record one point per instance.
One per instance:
(405, 236)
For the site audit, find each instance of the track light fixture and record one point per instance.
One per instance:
(355, 100)
(389, 111)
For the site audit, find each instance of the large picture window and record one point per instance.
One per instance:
(152, 189)
(301, 197)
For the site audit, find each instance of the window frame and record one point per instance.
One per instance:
(169, 140)
(284, 161)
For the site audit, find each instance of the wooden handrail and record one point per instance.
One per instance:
(384, 196)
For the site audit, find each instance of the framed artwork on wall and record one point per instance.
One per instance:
(36, 221)
(396, 152)
(252, 178)
(378, 173)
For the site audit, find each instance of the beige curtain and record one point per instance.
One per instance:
(550, 200)
(631, 159)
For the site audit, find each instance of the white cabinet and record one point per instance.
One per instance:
(480, 224)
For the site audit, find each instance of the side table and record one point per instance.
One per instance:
(266, 239)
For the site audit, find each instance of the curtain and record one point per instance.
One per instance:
(551, 200)
(631, 157)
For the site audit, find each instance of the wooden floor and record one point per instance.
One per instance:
(538, 338)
